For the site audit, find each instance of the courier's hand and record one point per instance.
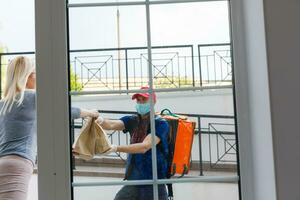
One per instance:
(100, 120)
(113, 149)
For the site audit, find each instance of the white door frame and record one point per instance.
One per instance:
(52, 100)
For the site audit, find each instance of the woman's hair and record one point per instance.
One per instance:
(18, 71)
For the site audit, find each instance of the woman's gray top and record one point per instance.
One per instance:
(18, 128)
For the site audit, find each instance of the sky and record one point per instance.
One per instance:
(171, 24)
(17, 24)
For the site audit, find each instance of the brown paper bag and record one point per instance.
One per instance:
(102, 144)
(92, 140)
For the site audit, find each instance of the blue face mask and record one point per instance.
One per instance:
(142, 108)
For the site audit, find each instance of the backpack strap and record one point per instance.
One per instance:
(169, 185)
(170, 191)
(129, 169)
(168, 112)
(171, 142)
(169, 159)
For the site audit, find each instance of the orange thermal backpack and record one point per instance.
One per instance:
(180, 141)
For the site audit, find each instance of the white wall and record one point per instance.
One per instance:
(217, 102)
(283, 47)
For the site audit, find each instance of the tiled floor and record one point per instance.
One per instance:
(182, 191)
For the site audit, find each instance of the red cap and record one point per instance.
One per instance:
(145, 94)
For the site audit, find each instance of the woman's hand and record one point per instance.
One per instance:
(74, 152)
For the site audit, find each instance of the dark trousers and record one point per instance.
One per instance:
(141, 192)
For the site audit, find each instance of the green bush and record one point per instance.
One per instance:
(75, 84)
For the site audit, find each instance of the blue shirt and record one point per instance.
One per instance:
(18, 128)
(141, 164)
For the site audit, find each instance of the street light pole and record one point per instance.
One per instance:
(119, 44)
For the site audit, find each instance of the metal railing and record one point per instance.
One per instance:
(215, 64)
(175, 66)
(215, 143)
(225, 143)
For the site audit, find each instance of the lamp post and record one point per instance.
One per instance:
(119, 44)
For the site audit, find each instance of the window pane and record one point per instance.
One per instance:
(190, 23)
(118, 59)
(191, 191)
(94, 193)
(201, 34)
(208, 191)
(17, 32)
(98, 27)
(179, 59)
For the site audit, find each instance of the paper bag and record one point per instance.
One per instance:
(92, 140)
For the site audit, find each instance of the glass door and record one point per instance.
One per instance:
(182, 51)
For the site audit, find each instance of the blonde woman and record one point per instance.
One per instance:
(18, 129)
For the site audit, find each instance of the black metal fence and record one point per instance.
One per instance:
(215, 64)
(127, 68)
(214, 144)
